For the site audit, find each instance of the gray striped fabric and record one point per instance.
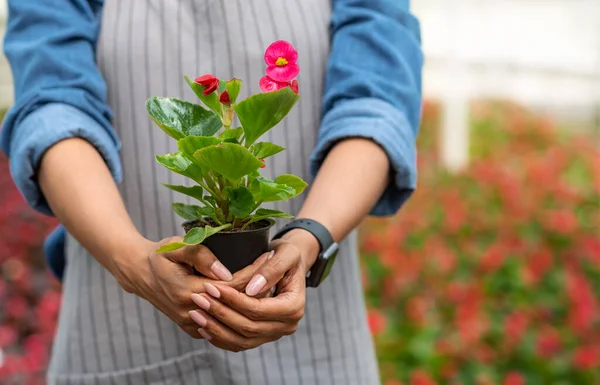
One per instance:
(107, 336)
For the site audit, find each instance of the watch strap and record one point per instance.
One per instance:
(328, 248)
(318, 230)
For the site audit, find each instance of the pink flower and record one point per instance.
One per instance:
(281, 57)
(210, 83)
(267, 84)
(294, 86)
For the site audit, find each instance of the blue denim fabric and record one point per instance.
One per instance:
(372, 90)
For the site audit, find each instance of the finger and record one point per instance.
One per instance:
(240, 323)
(283, 260)
(242, 277)
(203, 260)
(287, 305)
(217, 333)
(239, 281)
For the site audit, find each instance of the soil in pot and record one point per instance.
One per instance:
(237, 249)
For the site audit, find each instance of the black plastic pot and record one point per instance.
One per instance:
(237, 249)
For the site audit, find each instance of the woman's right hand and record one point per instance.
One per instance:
(167, 280)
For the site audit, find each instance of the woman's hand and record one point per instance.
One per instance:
(167, 280)
(235, 321)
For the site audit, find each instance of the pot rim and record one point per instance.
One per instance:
(269, 220)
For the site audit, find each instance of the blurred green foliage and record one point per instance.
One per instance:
(491, 275)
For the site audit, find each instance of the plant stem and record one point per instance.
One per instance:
(257, 205)
(205, 202)
(213, 187)
(247, 223)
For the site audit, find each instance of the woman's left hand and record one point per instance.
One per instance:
(238, 321)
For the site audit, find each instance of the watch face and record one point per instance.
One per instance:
(329, 265)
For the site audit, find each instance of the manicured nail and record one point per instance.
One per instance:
(198, 318)
(212, 290)
(221, 271)
(204, 334)
(201, 301)
(273, 290)
(271, 254)
(255, 285)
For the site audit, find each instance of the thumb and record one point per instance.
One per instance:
(281, 260)
(201, 259)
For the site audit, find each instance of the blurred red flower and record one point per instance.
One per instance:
(377, 321)
(420, 377)
(515, 325)
(514, 378)
(587, 358)
(548, 342)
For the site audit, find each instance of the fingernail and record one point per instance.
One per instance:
(204, 334)
(212, 290)
(273, 289)
(197, 318)
(201, 301)
(271, 254)
(221, 271)
(255, 285)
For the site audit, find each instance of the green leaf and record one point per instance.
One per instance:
(268, 213)
(189, 145)
(261, 112)
(179, 118)
(210, 199)
(233, 161)
(293, 181)
(268, 190)
(265, 149)
(233, 87)
(174, 162)
(192, 212)
(222, 86)
(232, 133)
(193, 191)
(195, 236)
(180, 164)
(211, 101)
(170, 247)
(241, 201)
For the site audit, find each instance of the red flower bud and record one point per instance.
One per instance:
(210, 83)
(225, 99)
(294, 86)
(263, 163)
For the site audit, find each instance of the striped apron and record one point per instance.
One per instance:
(107, 336)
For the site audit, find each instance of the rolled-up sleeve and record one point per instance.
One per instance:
(373, 88)
(59, 91)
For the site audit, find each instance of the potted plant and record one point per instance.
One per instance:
(224, 161)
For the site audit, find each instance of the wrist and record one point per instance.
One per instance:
(128, 259)
(307, 244)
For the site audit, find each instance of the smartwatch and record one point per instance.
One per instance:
(327, 253)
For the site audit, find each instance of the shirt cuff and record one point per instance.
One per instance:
(387, 126)
(42, 129)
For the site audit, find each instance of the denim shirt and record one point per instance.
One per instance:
(372, 90)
